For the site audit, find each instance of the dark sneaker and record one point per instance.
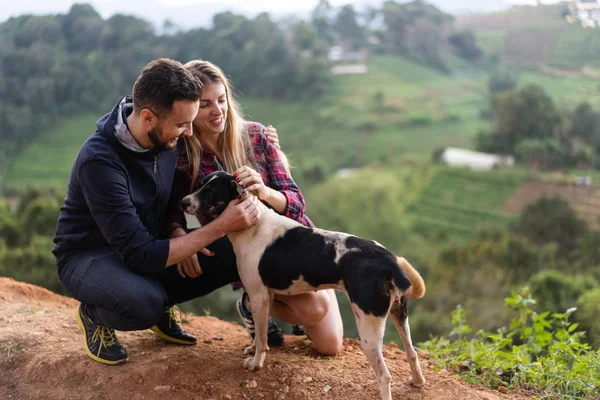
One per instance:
(274, 334)
(168, 329)
(100, 342)
(298, 330)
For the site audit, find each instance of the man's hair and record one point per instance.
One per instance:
(161, 83)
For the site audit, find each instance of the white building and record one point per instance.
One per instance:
(475, 160)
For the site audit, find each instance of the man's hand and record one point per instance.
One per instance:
(239, 214)
(190, 266)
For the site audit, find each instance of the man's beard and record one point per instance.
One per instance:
(155, 134)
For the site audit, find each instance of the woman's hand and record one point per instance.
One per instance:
(252, 181)
(190, 266)
(271, 134)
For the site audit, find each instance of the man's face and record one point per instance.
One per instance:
(167, 130)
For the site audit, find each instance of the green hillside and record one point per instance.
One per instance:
(535, 37)
(456, 202)
(48, 161)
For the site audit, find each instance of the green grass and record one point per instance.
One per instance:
(456, 202)
(535, 37)
(576, 47)
(48, 161)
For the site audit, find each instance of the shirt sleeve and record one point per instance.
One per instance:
(106, 192)
(281, 181)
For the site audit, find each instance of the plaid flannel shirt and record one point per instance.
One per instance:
(267, 162)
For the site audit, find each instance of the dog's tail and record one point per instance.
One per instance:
(417, 284)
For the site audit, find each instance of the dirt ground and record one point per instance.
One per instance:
(585, 200)
(46, 361)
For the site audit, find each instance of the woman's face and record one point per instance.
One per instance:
(212, 113)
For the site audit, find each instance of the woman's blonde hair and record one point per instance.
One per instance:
(234, 144)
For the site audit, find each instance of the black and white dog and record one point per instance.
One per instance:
(280, 256)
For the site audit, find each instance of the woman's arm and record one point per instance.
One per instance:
(282, 193)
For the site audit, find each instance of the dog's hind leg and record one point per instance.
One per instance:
(399, 315)
(371, 330)
(260, 302)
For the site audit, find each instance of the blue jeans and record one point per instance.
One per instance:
(120, 299)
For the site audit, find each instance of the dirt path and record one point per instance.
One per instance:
(50, 364)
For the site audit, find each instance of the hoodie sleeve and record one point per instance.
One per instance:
(104, 187)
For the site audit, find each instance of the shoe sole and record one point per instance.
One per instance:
(160, 334)
(88, 352)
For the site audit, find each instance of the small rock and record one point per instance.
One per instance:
(286, 389)
(502, 389)
(140, 380)
(162, 388)
(349, 348)
(252, 384)
(228, 396)
(217, 337)
(326, 389)
(308, 379)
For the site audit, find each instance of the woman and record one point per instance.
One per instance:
(222, 140)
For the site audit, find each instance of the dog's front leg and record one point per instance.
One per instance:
(260, 302)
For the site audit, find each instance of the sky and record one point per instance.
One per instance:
(193, 13)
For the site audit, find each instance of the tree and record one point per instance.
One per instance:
(501, 80)
(487, 266)
(587, 253)
(465, 45)
(548, 153)
(587, 314)
(348, 29)
(585, 125)
(417, 30)
(321, 21)
(557, 291)
(552, 220)
(527, 113)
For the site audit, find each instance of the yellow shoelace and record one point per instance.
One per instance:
(173, 317)
(105, 335)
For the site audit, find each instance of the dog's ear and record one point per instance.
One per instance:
(238, 188)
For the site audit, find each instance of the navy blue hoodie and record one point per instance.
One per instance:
(117, 197)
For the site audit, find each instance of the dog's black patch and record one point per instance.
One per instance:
(300, 251)
(366, 273)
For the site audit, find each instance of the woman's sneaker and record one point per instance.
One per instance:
(100, 342)
(274, 334)
(298, 330)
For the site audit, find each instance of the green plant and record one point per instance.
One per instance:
(9, 348)
(541, 352)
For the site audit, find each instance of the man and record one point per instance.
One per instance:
(109, 248)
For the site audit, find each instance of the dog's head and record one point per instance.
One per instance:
(215, 193)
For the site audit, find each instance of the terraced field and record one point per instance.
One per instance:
(456, 202)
